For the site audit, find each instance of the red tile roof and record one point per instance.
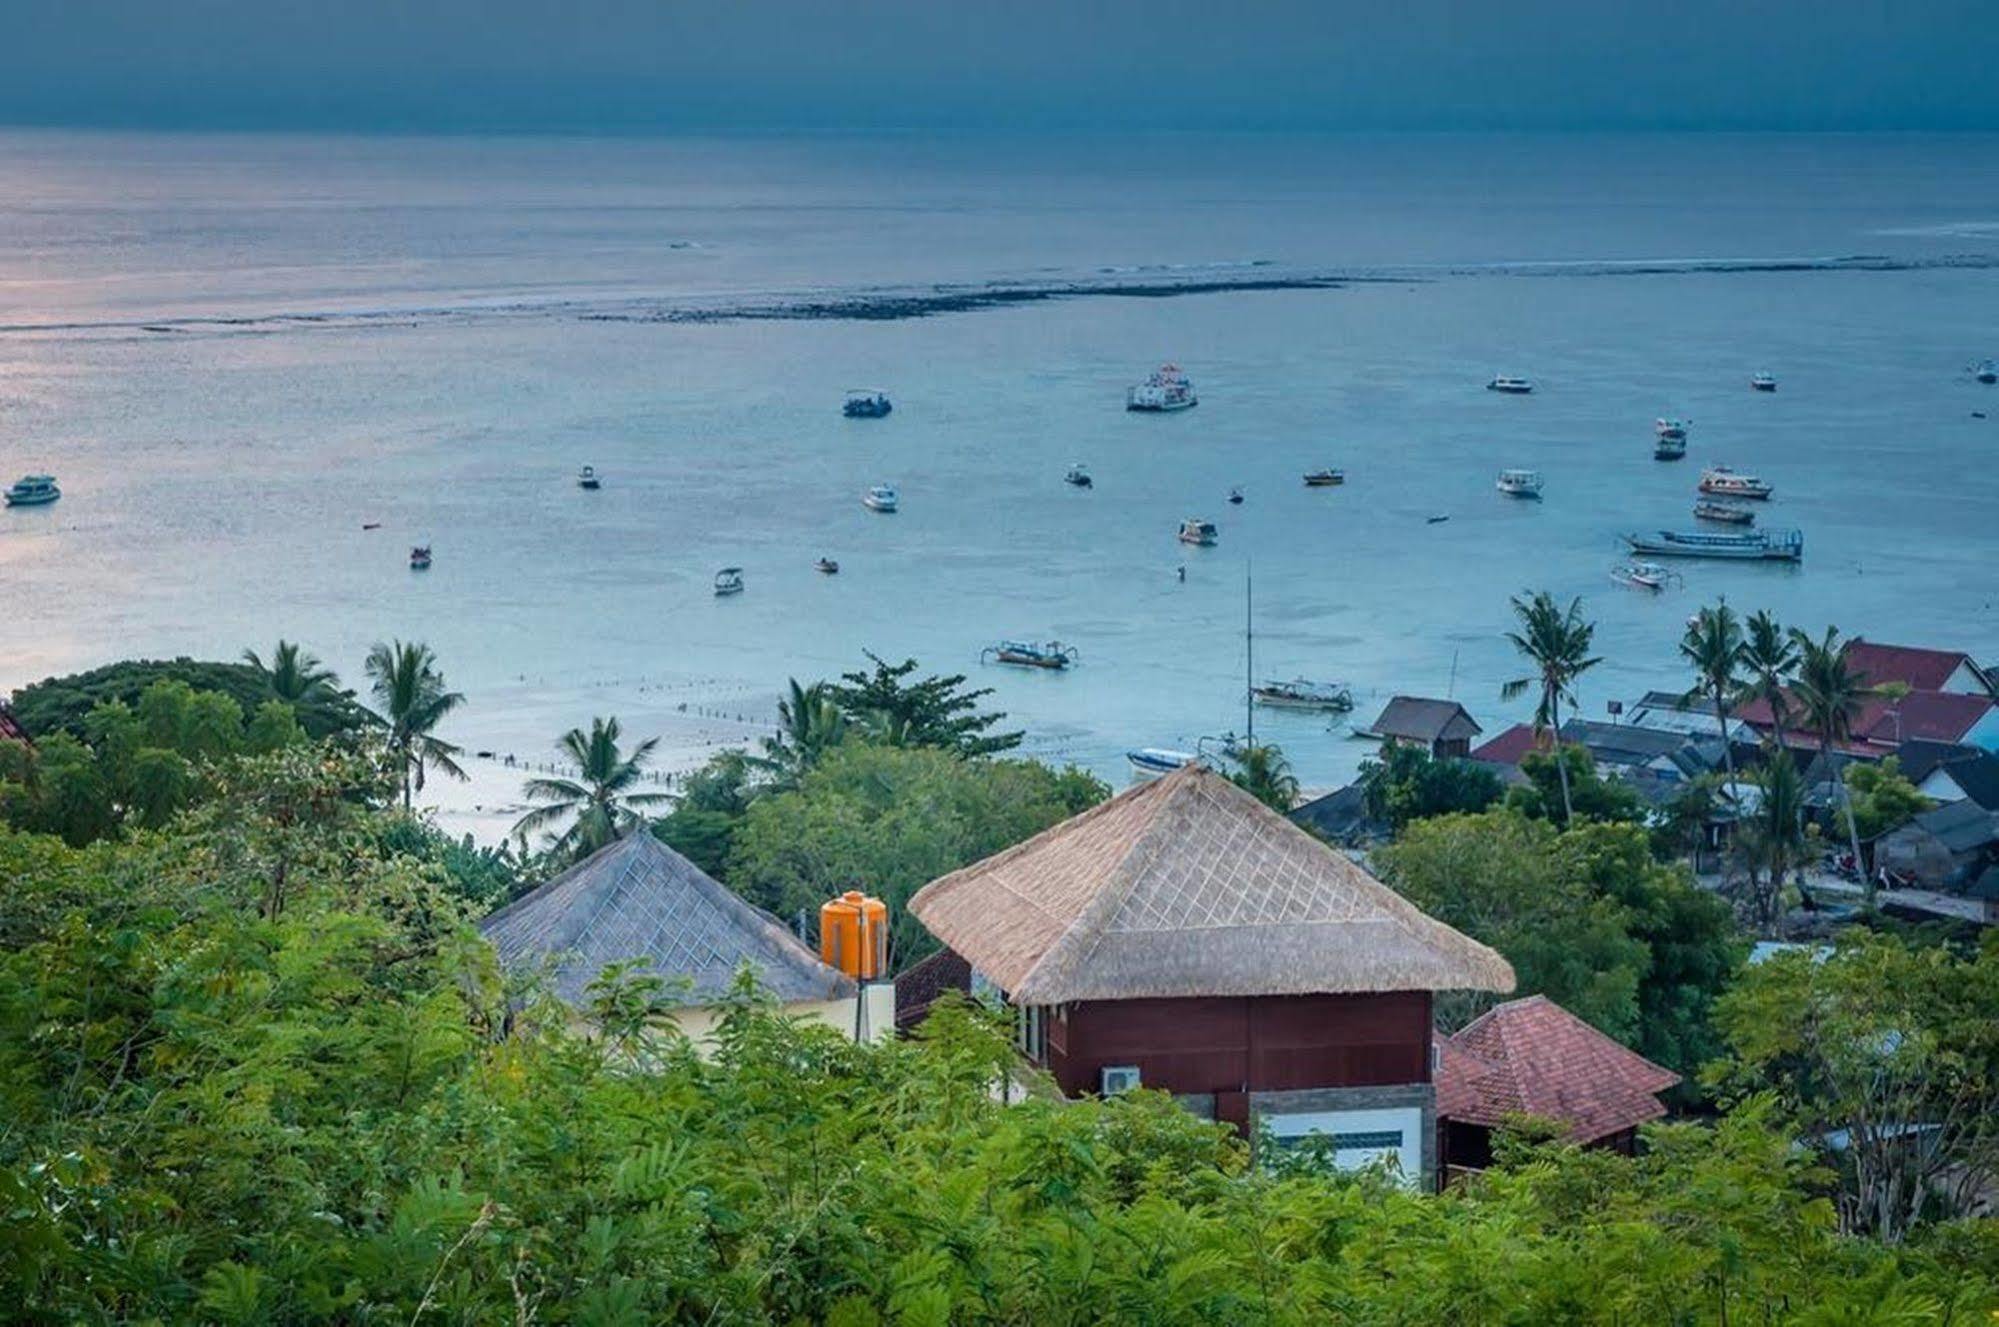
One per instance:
(1510, 746)
(1533, 1057)
(1884, 723)
(1917, 669)
(918, 986)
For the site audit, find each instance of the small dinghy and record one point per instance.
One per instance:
(1764, 382)
(587, 478)
(1078, 477)
(826, 567)
(1643, 575)
(420, 558)
(1150, 762)
(1511, 385)
(1438, 519)
(881, 498)
(1235, 497)
(729, 580)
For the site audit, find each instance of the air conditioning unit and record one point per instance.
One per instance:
(1118, 1078)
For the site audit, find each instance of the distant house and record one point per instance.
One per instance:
(637, 900)
(1183, 936)
(1940, 696)
(1950, 772)
(1442, 727)
(1919, 669)
(1945, 848)
(1533, 1057)
(921, 984)
(1510, 747)
(1340, 817)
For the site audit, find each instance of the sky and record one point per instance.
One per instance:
(671, 65)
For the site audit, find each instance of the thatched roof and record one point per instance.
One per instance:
(1190, 886)
(639, 899)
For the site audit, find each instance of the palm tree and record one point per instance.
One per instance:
(293, 675)
(809, 723)
(1713, 646)
(411, 701)
(1264, 773)
(1557, 643)
(1774, 836)
(1830, 697)
(1769, 656)
(599, 799)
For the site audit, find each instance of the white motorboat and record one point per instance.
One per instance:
(1764, 382)
(1201, 533)
(33, 491)
(1519, 483)
(1302, 694)
(1723, 482)
(1167, 389)
(587, 478)
(1643, 575)
(1987, 372)
(420, 558)
(1150, 762)
(880, 498)
(1670, 428)
(1510, 385)
(729, 580)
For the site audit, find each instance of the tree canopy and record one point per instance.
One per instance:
(62, 704)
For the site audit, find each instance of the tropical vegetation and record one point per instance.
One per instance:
(603, 801)
(1557, 643)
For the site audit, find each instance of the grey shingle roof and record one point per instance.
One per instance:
(639, 899)
(1961, 827)
(1416, 718)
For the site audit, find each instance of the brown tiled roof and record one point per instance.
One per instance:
(1190, 886)
(1915, 668)
(918, 986)
(1533, 1057)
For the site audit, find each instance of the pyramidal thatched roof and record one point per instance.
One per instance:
(1190, 886)
(639, 899)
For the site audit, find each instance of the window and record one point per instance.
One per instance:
(1031, 1032)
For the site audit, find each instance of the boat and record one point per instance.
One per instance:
(1753, 546)
(1519, 483)
(1149, 762)
(1670, 428)
(1235, 497)
(1196, 531)
(1325, 478)
(1726, 483)
(1511, 385)
(587, 478)
(33, 491)
(1438, 519)
(1669, 449)
(729, 580)
(1301, 694)
(1078, 477)
(879, 498)
(1643, 575)
(866, 405)
(1166, 389)
(1764, 382)
(1729, 513)
(826, 567)
(1053, 656)
(420, 558)
(1987, 372)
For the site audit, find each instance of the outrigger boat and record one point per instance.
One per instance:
(1300, 694)
(729, 580)
(1511, 385)
(33, 491)
(587, 478)
(1726, 483)
(1053, 656)
(1150, 762)
(1987, 372)
(1764, 382)
(1756, 546)
(1235, 497)
(420, 558)
(866, 405)
(1519, 483)
(1325, 478)
(1199, 532)
(1078, 477)
(1728, 513)
(1166, 389)
(880, 498)
(1643, 575)
(826, 567)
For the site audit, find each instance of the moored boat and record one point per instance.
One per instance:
(1519, 483)
(420, 558)
(1193, 530)
(1728, 513)
(1643, 575)
(1987, 372)
(1167, 389)
(1150, 762)
(1670, 428)
(826, 567)
(1726, 483)
(1668, 449)
(1328, 478)
(1753, 546)
(1510, 385)
(1764, 382)
(729, 580)
(33, 491)
(1078, 477)
(1235, 497)
(587, 478)
(1302, 694)
(1053, 656)
(881, 498)
(866, 404)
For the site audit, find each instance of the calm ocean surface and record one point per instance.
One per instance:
(234, 351)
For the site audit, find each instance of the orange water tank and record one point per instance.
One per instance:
(853, 935)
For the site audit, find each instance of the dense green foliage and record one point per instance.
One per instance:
(602, 802)
(888, 820)
(257, 1070)
(1586, 916)
(930, 711)
(1405, 783)
(1882, 799)
(1590, 795)
(1263, 772)
(62, 704)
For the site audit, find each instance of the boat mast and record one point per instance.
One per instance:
(1249, 651)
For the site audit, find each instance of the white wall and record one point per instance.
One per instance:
(1405, 1120)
